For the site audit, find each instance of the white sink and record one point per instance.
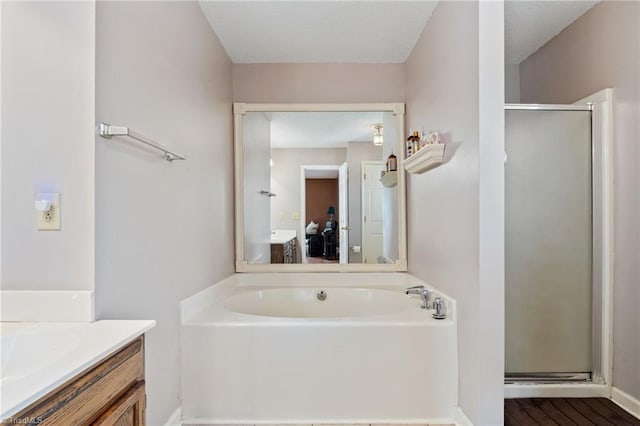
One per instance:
(21, 351)
(37, 357)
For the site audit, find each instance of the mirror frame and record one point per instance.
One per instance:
(240, 109)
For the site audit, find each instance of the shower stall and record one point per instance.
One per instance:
(552, 237)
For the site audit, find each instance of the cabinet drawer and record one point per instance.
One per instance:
(84, 398)
(129, 410)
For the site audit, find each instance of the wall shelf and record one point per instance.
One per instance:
(389, 179)
(426, 158)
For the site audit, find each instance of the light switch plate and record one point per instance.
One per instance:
(49, 221)
(295, 215)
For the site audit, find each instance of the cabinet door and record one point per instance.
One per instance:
(129, 410)
(86, 396)
(277, 253)
(288, 254)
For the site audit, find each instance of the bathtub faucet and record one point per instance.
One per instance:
(420, 290)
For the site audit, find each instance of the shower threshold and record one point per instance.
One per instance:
(543, 378)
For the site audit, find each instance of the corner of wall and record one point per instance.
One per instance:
(463, 97)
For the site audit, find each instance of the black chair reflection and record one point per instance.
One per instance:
(330, 240)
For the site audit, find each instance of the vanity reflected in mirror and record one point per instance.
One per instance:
(316, 189)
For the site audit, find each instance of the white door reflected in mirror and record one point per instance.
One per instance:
(372, 212)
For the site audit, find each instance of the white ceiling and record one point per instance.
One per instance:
(365, 31)
(530, 24)
(321, 129)
(318, 31)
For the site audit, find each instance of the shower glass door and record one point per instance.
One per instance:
(548, 231)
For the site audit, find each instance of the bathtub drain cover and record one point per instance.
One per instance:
(322, 295)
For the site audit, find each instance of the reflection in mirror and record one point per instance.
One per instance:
(312, 190)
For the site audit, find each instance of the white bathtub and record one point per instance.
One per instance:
(261, 348)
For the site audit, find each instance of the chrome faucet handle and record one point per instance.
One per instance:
(439, 306)
(416, 289)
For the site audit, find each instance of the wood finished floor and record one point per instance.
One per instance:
(565, 411)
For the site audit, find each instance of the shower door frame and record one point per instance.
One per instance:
(600, 105)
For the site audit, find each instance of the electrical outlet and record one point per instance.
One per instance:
(49, 220)
(281, 216)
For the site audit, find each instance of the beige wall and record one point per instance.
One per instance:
(447, 214)
(48, 54)
(512, 83)
(602, 49)
(163, 230)
(285, 182)
(304, 83)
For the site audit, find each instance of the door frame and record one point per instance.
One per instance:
(343, 213)
(601, 106)
(303, 200)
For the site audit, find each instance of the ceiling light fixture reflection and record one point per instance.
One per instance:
(377, 134)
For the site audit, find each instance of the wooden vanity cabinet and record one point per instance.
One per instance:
(286, 252)
(111, 392)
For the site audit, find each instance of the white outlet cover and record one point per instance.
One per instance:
(55, 212)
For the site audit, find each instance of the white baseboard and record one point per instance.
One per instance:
(175, 419)
(461, 419)
(626, 401)
(577, 390)
(47, 305)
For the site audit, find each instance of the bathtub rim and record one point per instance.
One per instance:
(397, 303)
(196, 305)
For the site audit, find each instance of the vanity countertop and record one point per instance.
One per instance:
(281, 236)
(39, 357)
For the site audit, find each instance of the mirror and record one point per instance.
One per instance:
(309, 187)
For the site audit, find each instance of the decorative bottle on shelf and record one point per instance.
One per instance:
(392, 163)
(416, 141)
(410, 144)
